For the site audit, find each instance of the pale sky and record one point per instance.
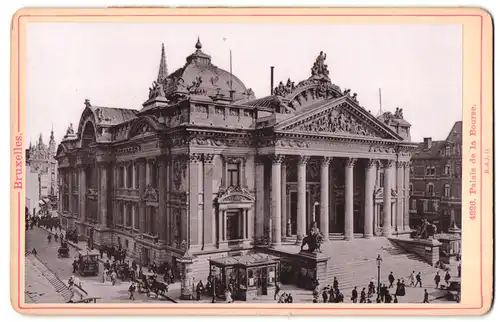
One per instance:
(418, 67)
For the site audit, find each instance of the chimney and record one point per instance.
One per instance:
(272, 79)
(427, 143)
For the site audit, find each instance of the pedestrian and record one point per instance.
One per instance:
(55, 238)
(459, 269)
(199, 290)
(335, 283)
(229, 298)
(34, 251)
(395, 299)
(103, 275)
(391, 280)
(276, 290)
(447, 278)
(437, 279)
(131, 290)
(75, 265)
(113, 277)
(49, 238)
(426, 296)
(325, 294)
(363, 296)
(419, 280)
(412, 279)
(354, 297)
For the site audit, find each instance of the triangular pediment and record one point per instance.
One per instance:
(337, 117)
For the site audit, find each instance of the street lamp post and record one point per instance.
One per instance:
(379, 263)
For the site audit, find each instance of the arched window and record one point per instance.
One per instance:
(430, 189)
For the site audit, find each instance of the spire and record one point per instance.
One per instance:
(162, 72)
(52, 133)
(40, 140)
(198, 44)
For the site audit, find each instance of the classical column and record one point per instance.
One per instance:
(224, 226)
(141, 163)
(208, 214)
(349, 199)
(283, 201)
(82, 192)
(399, 198)
(103, 194)
(387, 229)
(245, 224)
(259, 197)
(194, 218)
(70, 193)
(276, 200)
(221, 229)
(406, 215)
(125, 177)
(301, 198)
(148, 173)
(369, 186)
(325, 194)
(162, 204)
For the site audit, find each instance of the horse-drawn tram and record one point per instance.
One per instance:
(88, 262)
(148, 283)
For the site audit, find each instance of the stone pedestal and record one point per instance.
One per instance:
(427, 249)
(187, 261)
(315, 261)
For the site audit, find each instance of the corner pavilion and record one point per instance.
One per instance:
(205, 170)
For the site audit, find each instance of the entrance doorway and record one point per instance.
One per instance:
(261, 278)
(293, 211)
(145, 256)
(338, 224)
(234, 229)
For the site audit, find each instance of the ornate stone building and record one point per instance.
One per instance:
(206, 167)
(436, 181)
(41, 172)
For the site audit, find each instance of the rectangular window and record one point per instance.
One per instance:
(151, 220)
(233, 174)
(129, 176)
(136, 173)
(119, 217)
(128, 215)
(414, 204)
(136, 216)
(381, 180)
(447, 191)
(447, 170)
(154, 175)
(424, 204)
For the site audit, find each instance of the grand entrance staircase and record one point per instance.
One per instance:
(58, 285)
(354, 262)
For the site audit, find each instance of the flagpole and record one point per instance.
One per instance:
(380, 100)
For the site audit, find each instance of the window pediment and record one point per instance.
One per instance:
(235, 195)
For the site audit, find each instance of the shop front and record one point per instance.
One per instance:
(247, 276)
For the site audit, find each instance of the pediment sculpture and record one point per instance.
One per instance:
(234, 194)
(150, 193)
(284, 90)
(336, 121)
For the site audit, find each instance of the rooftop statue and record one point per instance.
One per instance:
(70, 130)
(320, 68)
(399, 113)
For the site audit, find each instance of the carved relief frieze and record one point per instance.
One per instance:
(377, 148)
(132, 149)
(178, 197)
(336, 120)
(291, 143)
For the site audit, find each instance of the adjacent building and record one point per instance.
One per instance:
(436, 181)
(41, 173)
(207, 168)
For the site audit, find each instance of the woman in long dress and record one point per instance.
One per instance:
(229, 298)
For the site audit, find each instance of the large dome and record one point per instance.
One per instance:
(200, 77)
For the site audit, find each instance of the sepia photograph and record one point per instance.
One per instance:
(171, 162)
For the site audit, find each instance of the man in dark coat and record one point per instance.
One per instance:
(437, 279)
(335, 283)
(325, 294)
(391, 280)
(419, 280)
(354, 297)
(447, 278)
(363, 296)
(426, 296)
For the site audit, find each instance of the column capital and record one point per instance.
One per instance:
(195, 157)
(388, 163)
(325, 162)
(303, 159)
(370, 163)
(208, 158)
(277, 158)
(400, 164)
(350, 162)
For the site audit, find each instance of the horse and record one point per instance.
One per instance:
(313, 242)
